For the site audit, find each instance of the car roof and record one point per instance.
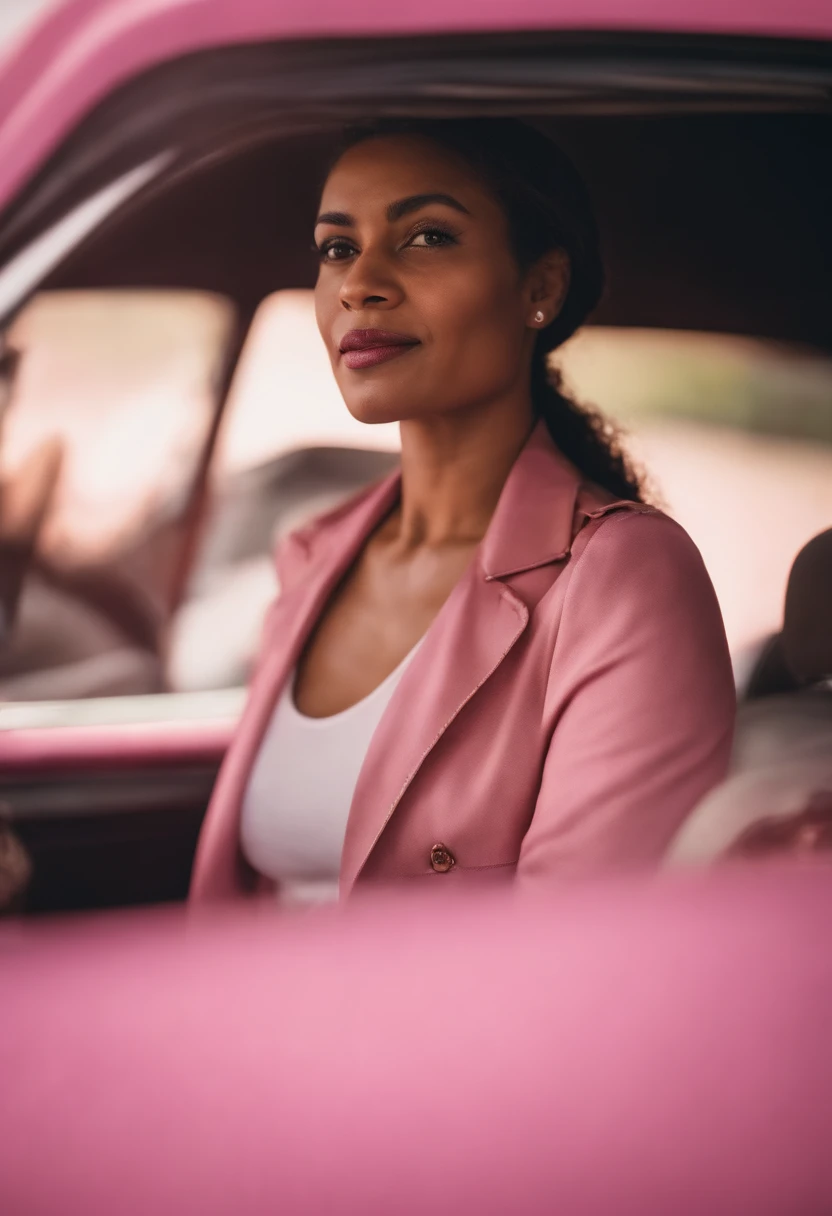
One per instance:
(87, 48)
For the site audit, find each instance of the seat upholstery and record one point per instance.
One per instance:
(780, 783)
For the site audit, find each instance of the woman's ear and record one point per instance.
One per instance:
(548, 284)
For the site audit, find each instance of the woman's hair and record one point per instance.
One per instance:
(548, 207)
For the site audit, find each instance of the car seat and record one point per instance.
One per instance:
(780, 783)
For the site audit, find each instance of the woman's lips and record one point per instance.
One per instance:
(368, 356)
(366, 347)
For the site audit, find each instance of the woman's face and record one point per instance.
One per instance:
(420, 301)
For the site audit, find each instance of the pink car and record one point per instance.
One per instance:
(159, 162)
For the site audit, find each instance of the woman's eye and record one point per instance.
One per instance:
(335, 251)
(432, 238)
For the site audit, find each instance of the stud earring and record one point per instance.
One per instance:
(539, 316)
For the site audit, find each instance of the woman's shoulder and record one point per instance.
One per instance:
(639, 598)
(598, 520)
(634, 553)
(635, 535)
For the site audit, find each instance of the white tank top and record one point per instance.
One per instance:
(298, 797)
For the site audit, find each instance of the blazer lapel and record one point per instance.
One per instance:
(473, 633)
(475, 630)
(220, 870)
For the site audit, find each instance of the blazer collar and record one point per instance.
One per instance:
(532, 525)
(534, 520)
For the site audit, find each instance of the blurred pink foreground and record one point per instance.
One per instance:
(652, 1048)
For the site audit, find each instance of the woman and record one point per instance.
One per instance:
(499, 663)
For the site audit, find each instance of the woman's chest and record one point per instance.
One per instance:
(372, 621)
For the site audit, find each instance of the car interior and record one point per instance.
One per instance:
(122, 668)
(777, 796)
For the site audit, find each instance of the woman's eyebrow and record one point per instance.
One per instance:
(340, 219)
(397, 210)
(415, 202)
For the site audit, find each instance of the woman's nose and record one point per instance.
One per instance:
(369, 284)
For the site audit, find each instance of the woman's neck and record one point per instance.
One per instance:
(453, 472)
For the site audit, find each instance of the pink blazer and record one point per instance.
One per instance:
(569, 706)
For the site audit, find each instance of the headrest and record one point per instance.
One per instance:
(807, 622)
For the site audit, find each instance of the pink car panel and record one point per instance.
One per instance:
(113, 746)
(629, 1049)
(90, 47)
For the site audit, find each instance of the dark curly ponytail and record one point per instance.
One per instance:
(548, 207)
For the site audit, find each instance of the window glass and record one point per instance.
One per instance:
(105, 424)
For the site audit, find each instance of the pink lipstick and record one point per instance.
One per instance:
(366, 347)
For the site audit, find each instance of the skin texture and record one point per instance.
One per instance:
(445, 276)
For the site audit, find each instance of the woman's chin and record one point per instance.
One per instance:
(374, 412)
(375, 417)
